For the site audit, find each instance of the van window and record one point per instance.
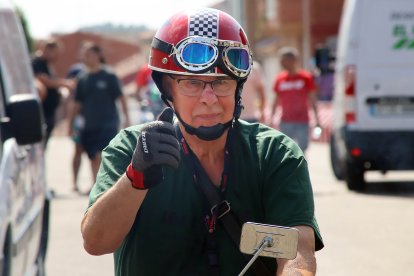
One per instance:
(14, 56)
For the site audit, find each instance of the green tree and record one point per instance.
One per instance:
(25, 27)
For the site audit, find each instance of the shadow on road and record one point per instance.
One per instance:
(390, 188)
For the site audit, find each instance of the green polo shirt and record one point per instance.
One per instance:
(270, 184)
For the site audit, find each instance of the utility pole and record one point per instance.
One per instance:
(237, 11)
(306, 33)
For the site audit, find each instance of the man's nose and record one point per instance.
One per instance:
(208, 96)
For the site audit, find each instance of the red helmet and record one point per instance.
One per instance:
(205, 41)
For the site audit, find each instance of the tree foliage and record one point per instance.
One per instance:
(26, 30)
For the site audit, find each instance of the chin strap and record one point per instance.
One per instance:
(203, 132)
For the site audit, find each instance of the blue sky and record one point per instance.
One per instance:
(48, 16)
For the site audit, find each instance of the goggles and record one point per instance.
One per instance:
(200, 54)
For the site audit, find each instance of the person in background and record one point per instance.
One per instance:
(295, 93)
(324, 73)
(148, 205)
(42, 64)
(148, 95)
(97, 91)
(254, 97)
(77, 126)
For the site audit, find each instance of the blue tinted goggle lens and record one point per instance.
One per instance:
(196, 53)
(239, 58)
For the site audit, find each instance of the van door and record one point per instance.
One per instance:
(385, 66)
(22, 165)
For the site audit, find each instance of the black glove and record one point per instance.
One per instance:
(157, 145)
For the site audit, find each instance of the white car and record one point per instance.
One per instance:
(374, 90)
(24, 202)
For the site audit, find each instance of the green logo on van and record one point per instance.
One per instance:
(404, 37)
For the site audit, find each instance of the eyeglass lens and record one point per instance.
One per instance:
(193, 87)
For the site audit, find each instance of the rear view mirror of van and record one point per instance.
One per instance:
(24, 119)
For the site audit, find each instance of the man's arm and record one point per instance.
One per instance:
(74, 109)
(262, 99)
(41, 89)
(109, 220)
(124, 108)
(314, 103)
(305, 262)
(55, 82)
(274, 107)
(112, 215)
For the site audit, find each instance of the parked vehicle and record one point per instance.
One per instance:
(24, 202)
(374, 90)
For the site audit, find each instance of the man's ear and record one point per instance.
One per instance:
(166, 83)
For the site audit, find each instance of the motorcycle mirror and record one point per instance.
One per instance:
(268, 240)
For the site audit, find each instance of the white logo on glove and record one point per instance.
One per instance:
(144, 143)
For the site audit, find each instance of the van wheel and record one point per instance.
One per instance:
(354, 177)
(40, 264)
(6, 262)
(336, 164)
(41, 256)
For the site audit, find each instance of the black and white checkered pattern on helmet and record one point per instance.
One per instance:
(204, 23)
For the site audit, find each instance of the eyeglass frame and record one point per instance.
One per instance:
(204, 85)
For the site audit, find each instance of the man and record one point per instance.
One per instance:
(48, 84)
(295, 89)
(149, 204)
(254, 97)
(77, 126)
(96, 94)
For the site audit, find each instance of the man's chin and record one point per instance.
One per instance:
(209, 124)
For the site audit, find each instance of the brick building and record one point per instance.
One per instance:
(303, 24)
(124, 57)
(271, 24)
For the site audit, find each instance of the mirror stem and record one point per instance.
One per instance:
(266, 242)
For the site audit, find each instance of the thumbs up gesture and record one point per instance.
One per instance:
(157, 146)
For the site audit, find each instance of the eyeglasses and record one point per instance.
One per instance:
(195, 87)
(200, 54)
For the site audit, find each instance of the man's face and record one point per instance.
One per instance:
(205, 109)
(288, 62)
(90, 58)
(51, 54)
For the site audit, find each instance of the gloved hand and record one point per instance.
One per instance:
(157, 145)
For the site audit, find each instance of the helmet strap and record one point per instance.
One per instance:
(203, 132)
(238, 107)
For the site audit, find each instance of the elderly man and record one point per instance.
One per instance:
(149, 204)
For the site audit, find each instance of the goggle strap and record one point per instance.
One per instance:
(162, 46)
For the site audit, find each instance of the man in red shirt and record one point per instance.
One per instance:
(148, 95)
(142, 78)
(295, 91)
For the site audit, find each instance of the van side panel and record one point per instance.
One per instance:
(385, 66)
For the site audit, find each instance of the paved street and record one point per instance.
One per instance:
(66, 255)
(365, 233)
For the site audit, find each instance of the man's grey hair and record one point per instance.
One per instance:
(288, 52)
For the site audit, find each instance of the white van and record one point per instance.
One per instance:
(374, 90)
(24, 199)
